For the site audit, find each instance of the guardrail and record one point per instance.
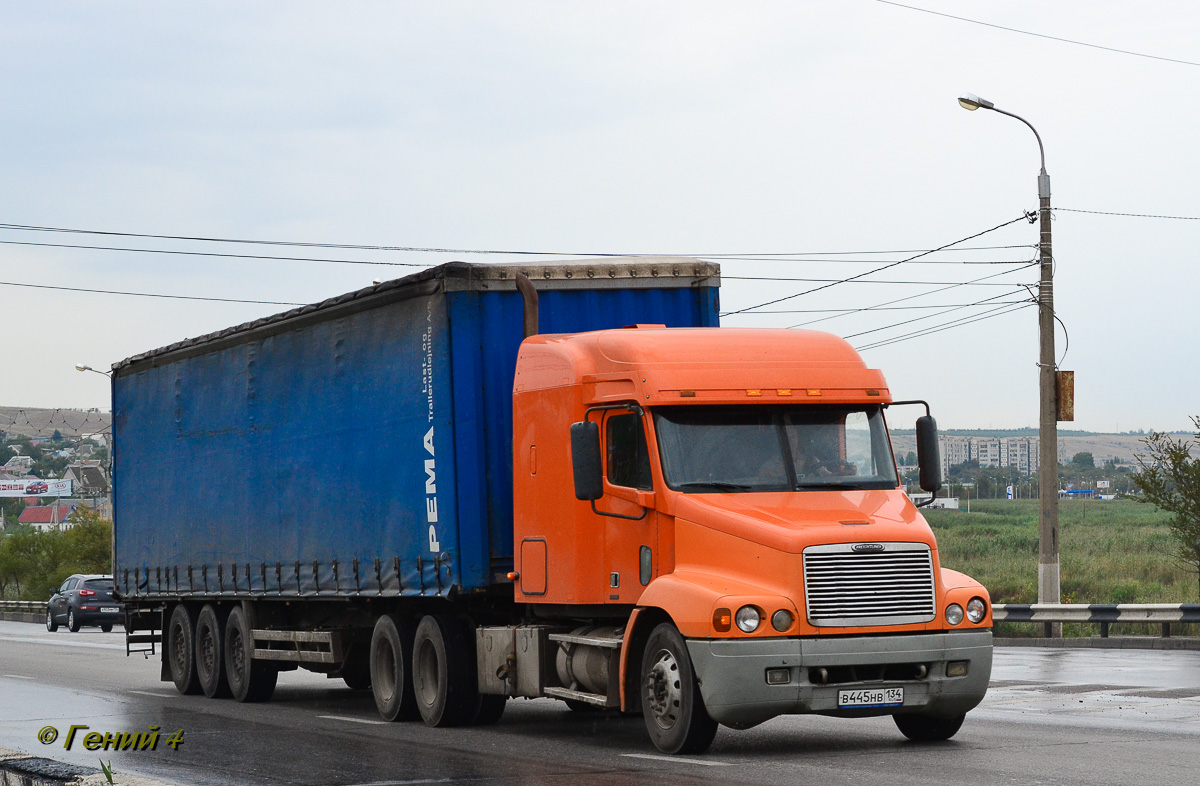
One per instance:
(1102, 614)
(23, 610)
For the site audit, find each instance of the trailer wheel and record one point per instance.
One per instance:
(210, 653)
(443, 677)
(249, 679)
(181, 650)
(390, 658)
(671, 702)
(928, 728)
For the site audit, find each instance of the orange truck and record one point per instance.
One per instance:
(703, 525)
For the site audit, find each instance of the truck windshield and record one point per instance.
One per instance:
(774, 448)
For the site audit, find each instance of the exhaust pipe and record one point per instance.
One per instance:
(529, 301)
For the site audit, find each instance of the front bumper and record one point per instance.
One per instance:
(732, 674)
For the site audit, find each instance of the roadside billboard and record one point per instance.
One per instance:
(35, 488)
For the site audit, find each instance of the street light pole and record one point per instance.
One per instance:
(1049, 585)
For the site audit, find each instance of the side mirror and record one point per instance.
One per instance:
(928, 460)
(585, 460)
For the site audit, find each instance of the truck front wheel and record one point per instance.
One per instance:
(928, 728)
(249, 679)
(671, 701)
(443, 677)
(181, 650)
(391, 682)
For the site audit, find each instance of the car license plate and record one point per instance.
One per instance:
(109, 610)
(877, 697)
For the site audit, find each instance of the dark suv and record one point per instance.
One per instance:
(84, 600)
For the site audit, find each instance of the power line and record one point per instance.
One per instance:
(149, 294)
(862, 261)
(1039, 35)
(878, 269)
(938, 314)
(872, 281)
(998, 311)
(208, 254)
(976, 282)
(750, 256)
(880, 308)
(1129, 215)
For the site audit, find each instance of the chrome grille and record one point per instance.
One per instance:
(892, 586)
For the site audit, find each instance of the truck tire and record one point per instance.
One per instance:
(928, 728)
(210, 653)
(443, 674)
(51, 623)
(390, 659)
(671, 702)
(180, 650)
(356, 668)
(490, 709)
(249, 679)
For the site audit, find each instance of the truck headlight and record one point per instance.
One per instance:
(747, 619)
(781, 620)
(976, 609)
(954, 614)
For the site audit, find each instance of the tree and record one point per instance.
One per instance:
(1084, 460)
(1170, 479)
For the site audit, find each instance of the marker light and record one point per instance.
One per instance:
(722, 620)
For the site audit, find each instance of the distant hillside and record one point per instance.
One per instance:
(35, 422)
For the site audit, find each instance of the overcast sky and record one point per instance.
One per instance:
(824, 130)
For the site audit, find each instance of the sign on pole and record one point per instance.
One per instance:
(1010, 492)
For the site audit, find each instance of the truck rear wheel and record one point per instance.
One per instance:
(390, 660)
(181, 650)
(671, 701)
(249, 679)
(928, 728)
(443, 677)
(210, 653)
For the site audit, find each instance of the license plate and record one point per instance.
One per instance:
(109, 610)
(877, 697)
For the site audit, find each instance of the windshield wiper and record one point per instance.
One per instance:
(714, 485)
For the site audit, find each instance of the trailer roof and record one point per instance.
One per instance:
(650, 272)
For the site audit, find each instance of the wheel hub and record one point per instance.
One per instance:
(663, 690)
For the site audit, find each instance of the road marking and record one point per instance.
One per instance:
(356, 720)
(678, 760)
(18, 676)
(152, 693)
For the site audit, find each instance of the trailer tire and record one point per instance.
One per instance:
(180, 650)
(249, 679)
(928, 728)
(671, 702)
(210, 653)
(443, 677)
(389, 662)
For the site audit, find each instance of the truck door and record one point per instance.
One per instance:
(631, 526)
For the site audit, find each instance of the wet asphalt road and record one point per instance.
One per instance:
(1051, 717)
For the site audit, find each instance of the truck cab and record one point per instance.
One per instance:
(729, 499)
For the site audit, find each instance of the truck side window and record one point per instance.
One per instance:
(627, 456)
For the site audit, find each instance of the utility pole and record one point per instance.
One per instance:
(1049, 585)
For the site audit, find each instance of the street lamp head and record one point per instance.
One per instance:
(971, 102)
(83, 367)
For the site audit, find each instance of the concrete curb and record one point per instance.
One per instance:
(35, 770)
